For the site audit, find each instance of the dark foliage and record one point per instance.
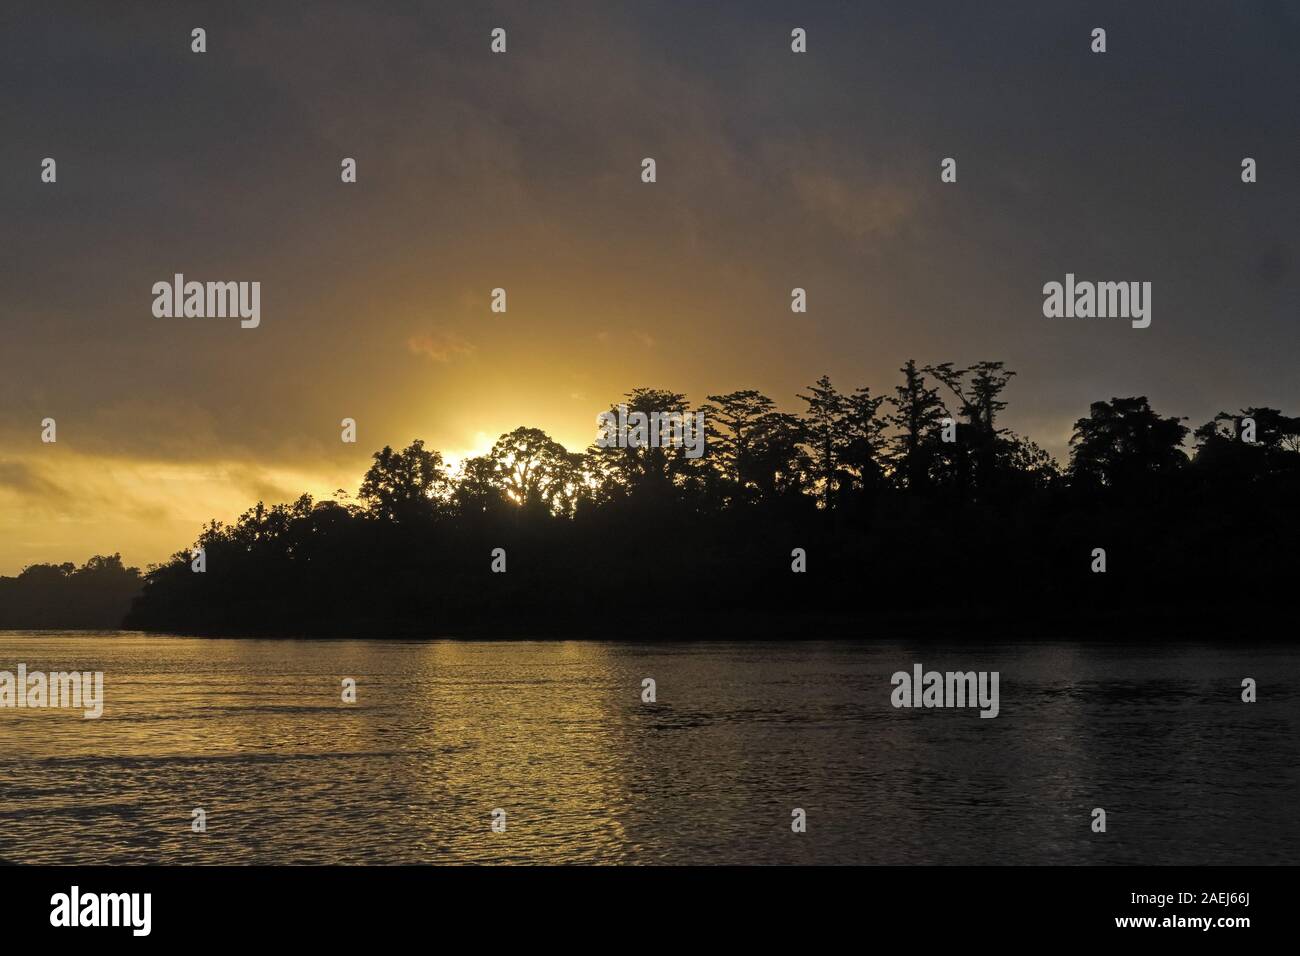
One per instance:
(915, 518)
(96, 595)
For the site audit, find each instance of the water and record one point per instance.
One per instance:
(555, 733)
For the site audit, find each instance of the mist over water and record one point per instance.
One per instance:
(556, 734)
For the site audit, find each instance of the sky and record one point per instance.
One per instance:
(521, 170)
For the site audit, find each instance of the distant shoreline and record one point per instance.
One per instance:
(1158, 625)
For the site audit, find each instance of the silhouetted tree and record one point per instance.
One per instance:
(918, 412)
(641, 468)
(754, 446)
(403, 485)
(536, 471)
(776, 464)
(96, 595)
(975, 454)
(734, 422)
(478, 487)
(824, 424)
(612, 535)
(1123, 443)
(865, 450)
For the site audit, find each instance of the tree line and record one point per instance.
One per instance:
(910, 507)
(96, 595)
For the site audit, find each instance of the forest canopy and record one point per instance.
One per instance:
(911, 507)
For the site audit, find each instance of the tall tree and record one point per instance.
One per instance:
(777, 465)
(978, 396)
(864, 444)
(824, 424)
(653, 468)
(536, 471)
(918, 412)
(478, 487)
(754, 447)
(1123, 443)
(978, 452)
(401, 486)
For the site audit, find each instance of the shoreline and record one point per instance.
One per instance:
(1153, 626)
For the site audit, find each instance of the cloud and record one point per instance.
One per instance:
(441, 346)
(67, 506)
(22, 479)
